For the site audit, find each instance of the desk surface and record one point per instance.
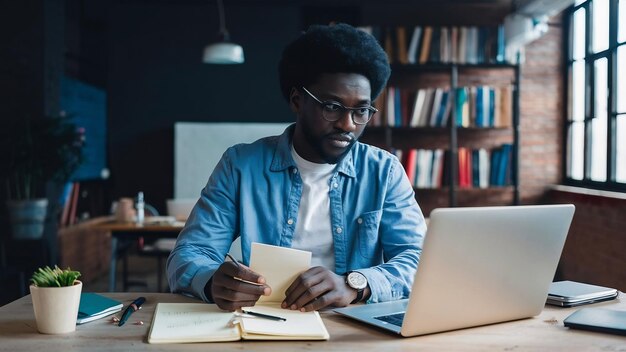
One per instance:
(545, 332)
(110, 224)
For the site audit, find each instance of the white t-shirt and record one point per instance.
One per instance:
(313, 230)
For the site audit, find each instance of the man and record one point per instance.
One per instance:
(313, 188)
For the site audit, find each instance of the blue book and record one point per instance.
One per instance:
(495, 166)
(397, 102)
(504, 164)
(442, 109)
(94, 306)
(492, 107)
(479, 122)
(500, 45)
(475, 169)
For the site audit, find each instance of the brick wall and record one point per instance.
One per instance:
(541, 111)
(595, 248)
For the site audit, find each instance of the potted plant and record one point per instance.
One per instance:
(56, 297)
(35, 152)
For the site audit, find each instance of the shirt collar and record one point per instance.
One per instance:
(283, 160)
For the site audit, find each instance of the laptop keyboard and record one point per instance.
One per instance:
(395, 319)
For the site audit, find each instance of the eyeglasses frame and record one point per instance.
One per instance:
(372, 109)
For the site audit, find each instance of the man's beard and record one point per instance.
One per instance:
(317, 144)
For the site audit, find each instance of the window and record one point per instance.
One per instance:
(595, 153)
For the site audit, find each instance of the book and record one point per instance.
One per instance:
(200, 322)
(414, 45)
(94, 306)
(425, 49)
(401, 45)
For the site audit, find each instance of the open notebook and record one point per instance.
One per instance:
(199, 322)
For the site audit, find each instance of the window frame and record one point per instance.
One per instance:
(589, 59)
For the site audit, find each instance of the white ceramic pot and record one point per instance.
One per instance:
(56, 308)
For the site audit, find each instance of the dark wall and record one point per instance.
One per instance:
(156, 78)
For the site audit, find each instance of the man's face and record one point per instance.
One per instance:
(321, 141)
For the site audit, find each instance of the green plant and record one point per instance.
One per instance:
(47, 277)
(35, 151)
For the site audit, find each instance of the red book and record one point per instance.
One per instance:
(410, 165)
(75, 190)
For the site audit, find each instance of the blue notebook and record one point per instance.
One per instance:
(94, 306)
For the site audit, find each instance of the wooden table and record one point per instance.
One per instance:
(124, 232)
(542, 333)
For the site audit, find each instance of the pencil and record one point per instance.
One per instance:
(265, 316)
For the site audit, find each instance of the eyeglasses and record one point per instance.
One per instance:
(333, 111)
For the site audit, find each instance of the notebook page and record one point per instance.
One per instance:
(280, 266)
(299, 325)
(191, 322)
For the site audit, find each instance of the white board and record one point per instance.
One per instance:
(198, 146)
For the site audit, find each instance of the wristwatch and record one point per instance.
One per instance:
(357, 281)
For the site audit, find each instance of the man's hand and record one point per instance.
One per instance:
(317, 288)
(230, 290)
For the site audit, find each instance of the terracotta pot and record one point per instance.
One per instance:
(56, 308)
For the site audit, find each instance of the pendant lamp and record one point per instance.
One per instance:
(223, 51)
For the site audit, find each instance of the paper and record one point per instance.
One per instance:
(279, 266)
(191, 322)
(299, 325)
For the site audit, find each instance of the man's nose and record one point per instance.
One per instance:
(346, 122)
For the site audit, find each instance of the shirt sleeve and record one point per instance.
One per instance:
(208, 234)
(402, 229)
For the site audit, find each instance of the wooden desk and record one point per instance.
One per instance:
(121, 232)
(545, 332)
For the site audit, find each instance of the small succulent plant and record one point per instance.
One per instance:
(47, 277)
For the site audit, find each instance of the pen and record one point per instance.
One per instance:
(232, 259)
(238, 278)
(133, 307)
(265, 316)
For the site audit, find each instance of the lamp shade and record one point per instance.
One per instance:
(223, 53)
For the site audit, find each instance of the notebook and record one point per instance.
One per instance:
(94, 306)
(571, 293)
(479, 266)
(199, 322)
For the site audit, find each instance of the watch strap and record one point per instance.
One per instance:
(359, 296)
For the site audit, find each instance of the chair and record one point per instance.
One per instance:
(160, 249)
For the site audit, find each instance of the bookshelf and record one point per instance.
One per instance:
(468, 150)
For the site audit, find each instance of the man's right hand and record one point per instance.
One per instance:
(230, 290)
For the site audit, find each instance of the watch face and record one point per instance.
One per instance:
(357, 280)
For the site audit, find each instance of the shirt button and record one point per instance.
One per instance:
(290, 221)
(359, 220)
(335, 185)
(295, 171)
(339, 230)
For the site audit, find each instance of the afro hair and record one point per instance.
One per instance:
(338, 48)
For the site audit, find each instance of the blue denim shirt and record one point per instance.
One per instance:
(254, 192)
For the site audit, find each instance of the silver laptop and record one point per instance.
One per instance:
(479, 266)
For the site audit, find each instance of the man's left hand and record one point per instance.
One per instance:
(317, 288)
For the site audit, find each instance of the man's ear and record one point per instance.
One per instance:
(294, 100)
